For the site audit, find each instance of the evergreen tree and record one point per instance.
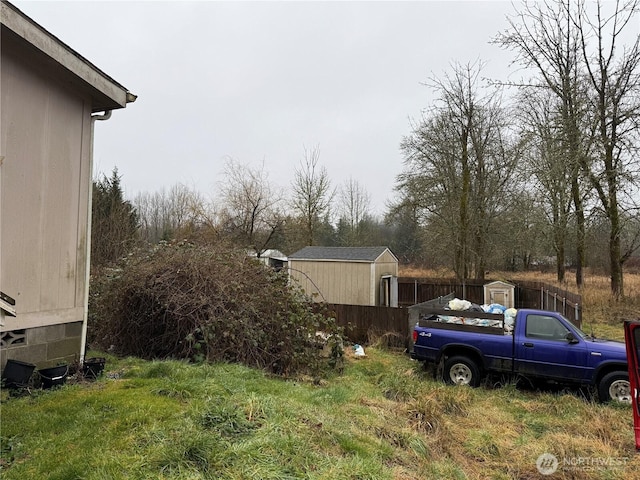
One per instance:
(114, 222)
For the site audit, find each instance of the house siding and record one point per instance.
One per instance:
(45, 176)
(47, 94)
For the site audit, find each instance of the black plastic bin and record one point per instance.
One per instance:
(93, 367)
(16, 374)
(54, 376)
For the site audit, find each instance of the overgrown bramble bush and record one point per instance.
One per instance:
(205, 302)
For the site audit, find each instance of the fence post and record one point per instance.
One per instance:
(415, 291)
(555, 302)
(541, 298)
(564, 305)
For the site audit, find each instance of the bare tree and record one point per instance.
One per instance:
(406, 239)
(250, 206)
(576, 49)
(613, 72)
(167, 213)
(353, 207)
(544, 37)
(526, 228)
(546, 167)
(312, 193)
(459, 160)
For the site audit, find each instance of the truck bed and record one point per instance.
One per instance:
(431, 318)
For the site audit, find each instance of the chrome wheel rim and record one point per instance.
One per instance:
(460, 374)
(620, 391)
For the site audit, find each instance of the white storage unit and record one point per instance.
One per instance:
(500, 292)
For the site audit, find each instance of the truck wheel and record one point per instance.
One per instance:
(461, 371)
(615, 386)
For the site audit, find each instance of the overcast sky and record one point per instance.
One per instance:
(260, 81)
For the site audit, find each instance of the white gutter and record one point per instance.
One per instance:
(85, 317)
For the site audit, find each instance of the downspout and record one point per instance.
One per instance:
(85, 317)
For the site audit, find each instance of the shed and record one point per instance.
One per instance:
(271, 258)
(49, 93)
(500, 292)
(347, 275)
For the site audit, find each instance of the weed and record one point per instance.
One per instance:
(425, 415)
(331, 395)
(174, 392)
(157, 369)
(454, 400)
(182, 454)
(227, 420)
(399, 386)
(7, 451)
(482, 445)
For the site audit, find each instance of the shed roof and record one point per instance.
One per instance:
(275, 254)
(351, 254)
(269, 253)
(35, 45)
(498, 282)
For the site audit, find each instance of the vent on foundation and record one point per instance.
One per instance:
(14, 337)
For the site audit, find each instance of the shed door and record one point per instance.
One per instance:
(389, 291)
(500, 296)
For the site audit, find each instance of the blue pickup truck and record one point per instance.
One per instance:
(536, 344)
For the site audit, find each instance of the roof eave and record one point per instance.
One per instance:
(105, 92)
(349, 260)
(390, 252)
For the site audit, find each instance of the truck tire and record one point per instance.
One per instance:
(460, 370)
(615, 386)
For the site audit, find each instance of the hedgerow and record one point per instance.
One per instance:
(205, 302)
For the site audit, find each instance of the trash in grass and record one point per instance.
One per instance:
(358, 350)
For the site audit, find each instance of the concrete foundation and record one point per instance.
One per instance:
(43, 346)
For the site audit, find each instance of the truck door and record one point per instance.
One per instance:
(542, 349)
(632, 340)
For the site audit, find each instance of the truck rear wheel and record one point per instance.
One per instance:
(460, 370)
(615, 386)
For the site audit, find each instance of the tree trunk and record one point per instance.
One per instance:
(615, 251)
(560, 260)
(580, 230)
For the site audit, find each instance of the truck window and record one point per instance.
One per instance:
(547, 328)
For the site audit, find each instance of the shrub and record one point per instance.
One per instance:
(205, 302)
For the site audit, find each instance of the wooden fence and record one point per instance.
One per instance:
(527, 294)
(362, 323)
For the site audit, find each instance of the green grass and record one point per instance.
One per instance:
(383, 418)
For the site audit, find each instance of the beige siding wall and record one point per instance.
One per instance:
(339, 282)
(44, 179)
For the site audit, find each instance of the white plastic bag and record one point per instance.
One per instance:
(457, 304)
